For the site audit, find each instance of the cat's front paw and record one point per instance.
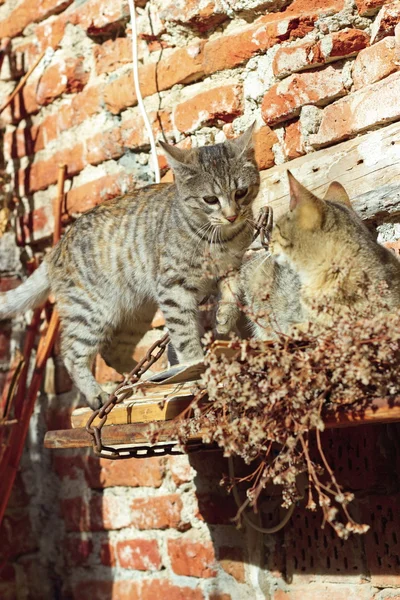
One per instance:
(223, 328)
(97, 401)
(226, 320)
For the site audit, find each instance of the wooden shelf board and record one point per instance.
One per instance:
(381, 410)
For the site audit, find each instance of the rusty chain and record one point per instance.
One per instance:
(118, 395)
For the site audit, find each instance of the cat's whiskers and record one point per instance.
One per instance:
(268, 255)
(204, 230)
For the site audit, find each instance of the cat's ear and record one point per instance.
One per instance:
(337, 193)
(309, 209)
(244, 141)
(178, 159)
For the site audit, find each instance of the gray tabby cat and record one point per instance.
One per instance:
(125, 257)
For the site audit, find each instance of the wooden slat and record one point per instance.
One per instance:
(137, 412)
(380, 410)
(367, 166)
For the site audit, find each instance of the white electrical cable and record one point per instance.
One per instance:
(138, 92)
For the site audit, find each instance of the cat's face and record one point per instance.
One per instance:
(313, 227)
(219, 181)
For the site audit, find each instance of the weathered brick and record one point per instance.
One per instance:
(73, 111)
(103, 473)
(109, 512)
(373, 105)
(30, 12)
(159, 589)
(43, 173)
(104, 373)
(159, 319)
(35, 225)
(367, 8)
(229, 51)
(23, 104)
(112, 55)
(68, 466)
(17, 536)
(120, 93)
(133, 132)
(77, 550)
(105, 145)
(182, 66)
(264, 139)
(375, 63)
(51, 32)
(152, 589)
(285, 99)
(75, 512)
(160, 512)
(385, 22)
(106, 589)
(59, 417)
(218, 104)
(192, 558)
(149, 338)
(107, 554)
(23, 141)
(231, 560)
(139, 554)
(83, 197)
(341, 44)
(293, 146)
(101, 513)
(219, 596)
(200, 16)
(97, 17)
(180, 469)
(65, 76)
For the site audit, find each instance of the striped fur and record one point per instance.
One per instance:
(163, 245)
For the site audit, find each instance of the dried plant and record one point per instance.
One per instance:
(272, 394)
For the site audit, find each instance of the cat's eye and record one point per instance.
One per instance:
(241, 193)
(211, 199)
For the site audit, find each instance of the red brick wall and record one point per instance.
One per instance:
(313, 73)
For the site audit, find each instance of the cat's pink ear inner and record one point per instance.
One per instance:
(176, 157)
(297, 192)
(337, 193)
(245, 141)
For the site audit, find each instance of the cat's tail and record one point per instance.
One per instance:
(30, 294)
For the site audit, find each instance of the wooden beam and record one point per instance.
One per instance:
(380, 410)
(367, 166)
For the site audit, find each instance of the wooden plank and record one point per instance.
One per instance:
(367, 166)
(139, 411)
(135, 433)
(380, 410)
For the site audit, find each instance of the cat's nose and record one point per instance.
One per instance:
(232, 219)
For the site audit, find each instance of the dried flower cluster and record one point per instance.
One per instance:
(273, 394)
